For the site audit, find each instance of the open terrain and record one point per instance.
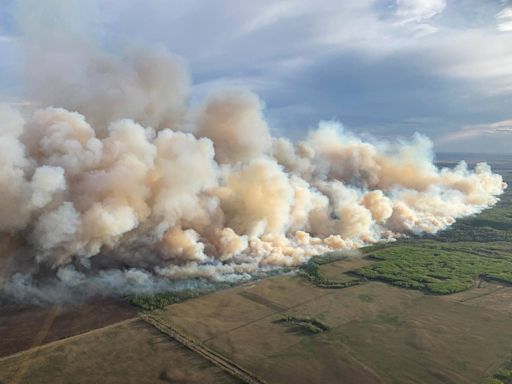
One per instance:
(128, 352)
(377, 333)
(24, 327)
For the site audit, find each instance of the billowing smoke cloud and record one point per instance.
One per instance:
(118, 186)
(150, 87)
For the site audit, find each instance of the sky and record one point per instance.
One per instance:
(385, 68)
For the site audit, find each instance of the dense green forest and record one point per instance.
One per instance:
(441, 267)
(475, 248)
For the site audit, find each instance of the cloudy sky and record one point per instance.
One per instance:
(386, 68)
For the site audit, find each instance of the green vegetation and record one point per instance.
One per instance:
(440, 268)
(503, 376)
(306, 323)
(311, 270)
(493, 380)
(329, 257)
(161, 299)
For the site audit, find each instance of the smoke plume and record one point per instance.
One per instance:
(117, 185)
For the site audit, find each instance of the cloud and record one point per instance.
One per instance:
(418, 10)
(271, 15)
(473, 131)
(372, 64)
(504, 20)
(480, 57)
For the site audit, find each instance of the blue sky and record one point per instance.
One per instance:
(382, 67)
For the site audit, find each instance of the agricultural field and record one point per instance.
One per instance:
(374, 333)
(21, 327)
(128, 352)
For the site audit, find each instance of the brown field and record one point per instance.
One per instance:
(379, 333)
(24, 327)
(496, 297)
(337, 271)
(128, 352)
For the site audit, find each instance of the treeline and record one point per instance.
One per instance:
(311, 271)
(306, 323)
(468, 232)
(161, 299)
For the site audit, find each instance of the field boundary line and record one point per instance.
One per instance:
(482, 295)
(214, 357)
(66, 339)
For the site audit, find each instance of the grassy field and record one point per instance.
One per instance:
(374, 333)
(21, 326)
(131, 352)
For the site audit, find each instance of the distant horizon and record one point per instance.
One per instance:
(472, 153)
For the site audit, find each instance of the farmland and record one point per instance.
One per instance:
(377, 333)
(127, 352)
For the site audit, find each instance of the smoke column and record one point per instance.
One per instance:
(116, 185)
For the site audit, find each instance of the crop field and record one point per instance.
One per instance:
(128, 352)
(376, 333)
(20, 327)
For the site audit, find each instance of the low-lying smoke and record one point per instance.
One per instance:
(119, 187)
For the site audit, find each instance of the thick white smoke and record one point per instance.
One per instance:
(119, 185)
